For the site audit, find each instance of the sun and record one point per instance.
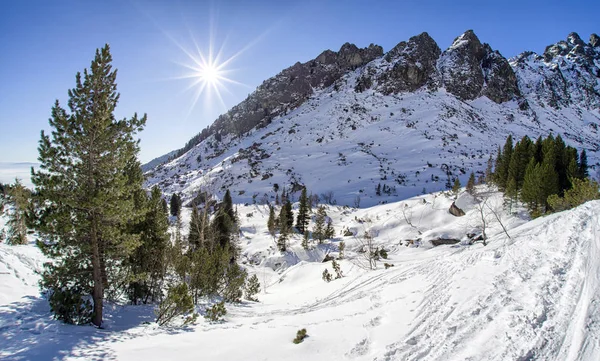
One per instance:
(210, 74)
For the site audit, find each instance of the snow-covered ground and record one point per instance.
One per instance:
(531, 295)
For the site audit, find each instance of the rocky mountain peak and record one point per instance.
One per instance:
(595, 40)
(470, 69)
(413, 65)
(574, 39)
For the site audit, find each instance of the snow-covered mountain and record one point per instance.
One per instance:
(410, 119)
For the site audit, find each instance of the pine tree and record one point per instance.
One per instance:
(583, 166)
(271, 223)
(282, 242)
(302, 219)
(175, 205)
(329, 231)
(18, 197)
(471, 184)
(85, 192)
(511, 192)
(530, 193)
(149, 261)
(284, 227)
(289, 214)
(489, 170)
(195, 234)
(252, 288)
(337, 269)
(305, 239)
(502, 166)
(456, 186)
(341, 250)
(318, 232)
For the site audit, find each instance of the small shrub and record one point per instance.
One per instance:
(383, 253)
(178, 302)
(326, 276)
(252, 288)
(388, 265)
(337, 269)
(216, 312)
(70, 306)
(341, 249)
(300, 336)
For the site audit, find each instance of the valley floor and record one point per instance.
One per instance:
(533, 296)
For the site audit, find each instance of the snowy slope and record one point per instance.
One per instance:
(535, 296)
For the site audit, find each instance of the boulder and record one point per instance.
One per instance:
(455, 211)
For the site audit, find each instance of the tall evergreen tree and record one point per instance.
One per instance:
(318, 232)
(271, 224)
(471, 184)
(302, 218)
(85, 194)
(583, 166)
(502, 167)
(18, 197)
(489, 170)
(175, 204)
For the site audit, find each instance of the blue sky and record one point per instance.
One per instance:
(43, 44)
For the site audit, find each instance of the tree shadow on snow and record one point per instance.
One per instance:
(28, 332)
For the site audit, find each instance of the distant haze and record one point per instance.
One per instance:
(21, 170)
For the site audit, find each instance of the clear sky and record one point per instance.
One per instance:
(43, 44)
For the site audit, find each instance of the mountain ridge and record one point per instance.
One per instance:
(413, 90)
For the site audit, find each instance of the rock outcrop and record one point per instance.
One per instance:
(414, 65)
(470, 69)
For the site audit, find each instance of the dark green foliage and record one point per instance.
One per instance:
(286, 218)
(489, 170)
(271, 223)
(456, 186)
(383, 253)
(86, 187)
(282, 242)
(175, 204)
(583, 190)
(216, 312)
(235, 280)
(148, 263)
(300, 336)
(70, 305)
(502, 163)
(536, 171)
(303, 218)
(178, 303)
(252, 288)
(471, 184)
(582, 172)
(319, 228)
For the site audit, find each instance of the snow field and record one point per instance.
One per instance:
(533, 296)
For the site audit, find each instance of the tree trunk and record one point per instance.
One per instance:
(98, 292)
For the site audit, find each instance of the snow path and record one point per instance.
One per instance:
(535, 296)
